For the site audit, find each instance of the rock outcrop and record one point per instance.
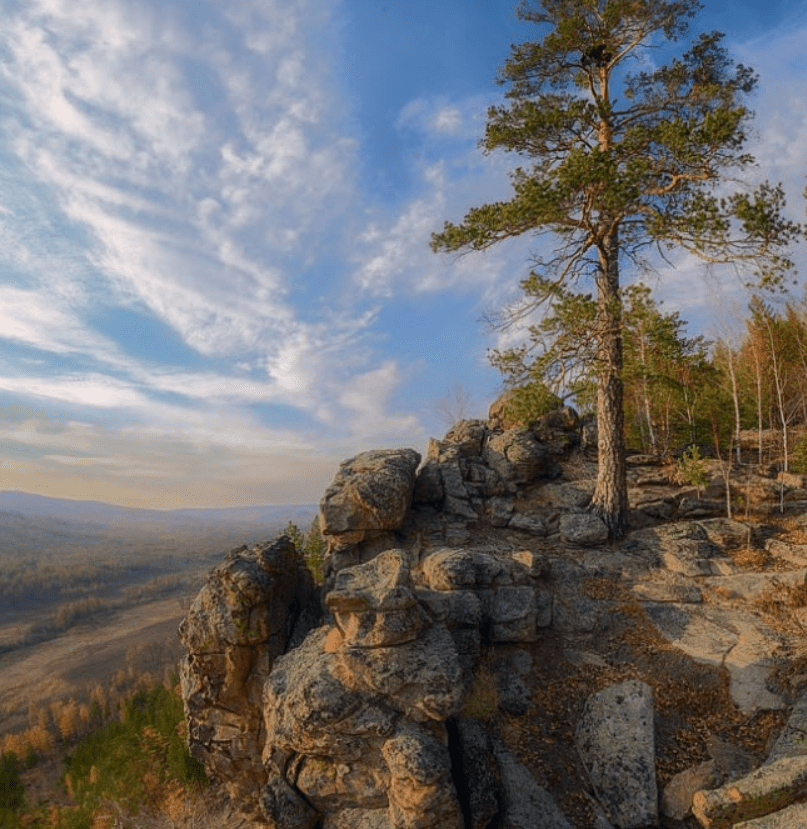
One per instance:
(243, 619)
(477, 657)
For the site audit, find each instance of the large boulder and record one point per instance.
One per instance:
(467, 436)
(616, 743)
(583, 529)
(517, 456)
(240, 622)
(370, 492)
(374, 605)
(355, 716)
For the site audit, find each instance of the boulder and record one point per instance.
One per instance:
(518, 457)
(240, 622)
(512, 614)
(370, 492)
(355, 716)
(374, 605)
(429, 487)
(421, 791)
(308, 709)
(422, 678)
(583, 529)
(467, 436)
(616, 743)
(458, 569)
(567, 495)
(456, 498)
(532, 524)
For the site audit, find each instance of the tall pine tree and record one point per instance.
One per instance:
(617, 158)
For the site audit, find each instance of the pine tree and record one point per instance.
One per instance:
(617, 160)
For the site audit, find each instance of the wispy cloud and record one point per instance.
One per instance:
(198, 166)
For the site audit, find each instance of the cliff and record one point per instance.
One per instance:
(477, 657)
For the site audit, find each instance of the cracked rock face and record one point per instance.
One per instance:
(432, 620)
(370, 492)
(240, 622)
(355, 717)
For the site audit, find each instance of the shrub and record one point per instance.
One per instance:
(131, 761)
(692, 469)
(12, 789)
(530, 402)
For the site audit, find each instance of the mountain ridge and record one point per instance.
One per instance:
(94, 511)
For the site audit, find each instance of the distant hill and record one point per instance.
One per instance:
(29, 522)
(98, 512)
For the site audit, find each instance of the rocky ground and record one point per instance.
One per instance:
(485, 658)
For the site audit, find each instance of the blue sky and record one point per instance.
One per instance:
(214, 225)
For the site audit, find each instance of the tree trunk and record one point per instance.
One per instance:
(610, 499)
(735, 396)
(778, 384)
(758, 375)
(646, 392)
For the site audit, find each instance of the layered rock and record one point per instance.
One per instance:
(241, 621)
(446, 585)
(370, 495)
(355, 717)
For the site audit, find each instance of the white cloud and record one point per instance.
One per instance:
(95, 390)
(33, 319)
(447, 119)
(366, 399)
(198, 228)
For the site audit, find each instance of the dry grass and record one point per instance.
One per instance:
(71, 664)
(750, 558)
(692, 703)
(782, 598)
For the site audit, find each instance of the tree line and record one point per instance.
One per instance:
(677, 390)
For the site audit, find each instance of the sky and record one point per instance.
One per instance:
(215, 274)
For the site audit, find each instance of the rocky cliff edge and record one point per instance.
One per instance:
(478, 658)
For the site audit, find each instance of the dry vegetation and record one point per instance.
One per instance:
(88, 658)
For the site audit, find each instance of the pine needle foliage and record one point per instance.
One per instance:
(615, 157)
(132, 761)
